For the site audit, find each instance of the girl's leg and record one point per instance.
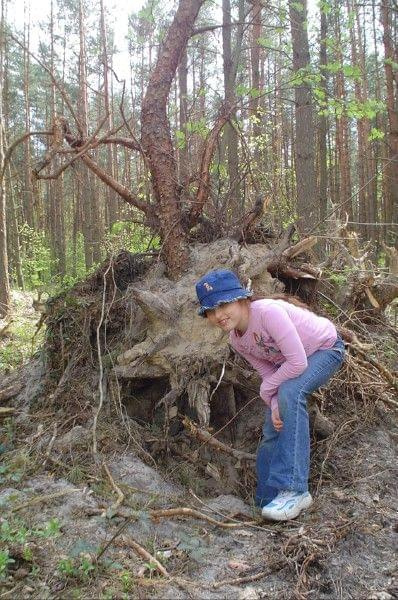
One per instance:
(264, 492)
(290, 460)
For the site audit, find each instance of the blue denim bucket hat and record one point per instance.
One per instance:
(219, 287)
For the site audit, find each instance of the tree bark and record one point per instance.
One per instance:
(323, 127)
(344, 192)
(5, 296)
(307, 197)
(391, 171)
(157, 142)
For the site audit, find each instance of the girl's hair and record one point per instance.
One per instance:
(285, 297)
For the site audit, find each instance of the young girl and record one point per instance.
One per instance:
(295, 352)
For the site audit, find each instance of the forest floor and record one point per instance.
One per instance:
(74, 527)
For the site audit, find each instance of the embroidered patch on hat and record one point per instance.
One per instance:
(207, 286)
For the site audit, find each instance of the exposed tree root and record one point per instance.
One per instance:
(205, 436)
(275, 566)
(116, 488)
(196, 514)
(141, 552)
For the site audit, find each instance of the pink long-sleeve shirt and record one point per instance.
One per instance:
(279, 338)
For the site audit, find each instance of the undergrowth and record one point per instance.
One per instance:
(20, 338)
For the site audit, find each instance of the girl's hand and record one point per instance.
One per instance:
(276, 419)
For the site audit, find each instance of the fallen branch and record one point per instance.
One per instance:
(6, 412)
(10, 391)
(119, 493)
(381, 368)
(140, 551)
(239, 580)
(196, 514)
(44, 498)
(51, 444)
(205, 436)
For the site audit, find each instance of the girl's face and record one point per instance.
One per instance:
(230, 316)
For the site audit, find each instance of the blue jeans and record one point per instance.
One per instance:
(283, 458)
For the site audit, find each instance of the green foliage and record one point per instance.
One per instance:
(49, 530)
(199, 127)
(125, 234)
(180, 139)
(23, 340)
(128, 581)
(392, 63)
(81, 568)
(298, 6)
(15, 531)
(244, 90)
(375, 134)
(37, 264)
(5, 561)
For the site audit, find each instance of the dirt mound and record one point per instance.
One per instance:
(131, 470)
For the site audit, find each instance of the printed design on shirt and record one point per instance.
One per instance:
(273, 354)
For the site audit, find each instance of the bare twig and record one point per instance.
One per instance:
(99, 354)
(116, 488)
(44, 498)
(381, 368)
(129, 541)
(51, 444)
(207, 437)
(183, 511)
(6, 411)
(239, 580)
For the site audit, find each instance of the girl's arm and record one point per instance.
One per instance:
(281, 328)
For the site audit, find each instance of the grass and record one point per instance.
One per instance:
(21, 341)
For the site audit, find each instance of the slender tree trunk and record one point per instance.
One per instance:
(342, 132)
(110, 198)
(230, 63)
(391, 170)
(323, 127)
(27, 193)
(84, 187)
(255, 112)
(183, 168)
(307, 197)
(55, 187)
(156, 137)
(5, 295)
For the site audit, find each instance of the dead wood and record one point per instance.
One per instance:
(274, 566)
(387, 375)
(208, 438)
(6, 411)
(10, 391)
(142, 553)
(196, 514)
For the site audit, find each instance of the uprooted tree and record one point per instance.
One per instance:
(135, 319)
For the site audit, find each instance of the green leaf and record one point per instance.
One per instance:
(375, 134)
(299, 6)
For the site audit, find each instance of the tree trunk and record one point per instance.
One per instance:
(111, 201)
(157, 142)
(27, 173)
(323, 127)
(344, 192)
(85, 187)
(391, 171)
(5, 296)
(231, 59)
(255, 112)
(307, 198)
(183, 170)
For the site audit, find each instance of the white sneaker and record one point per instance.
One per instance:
(287, 505)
